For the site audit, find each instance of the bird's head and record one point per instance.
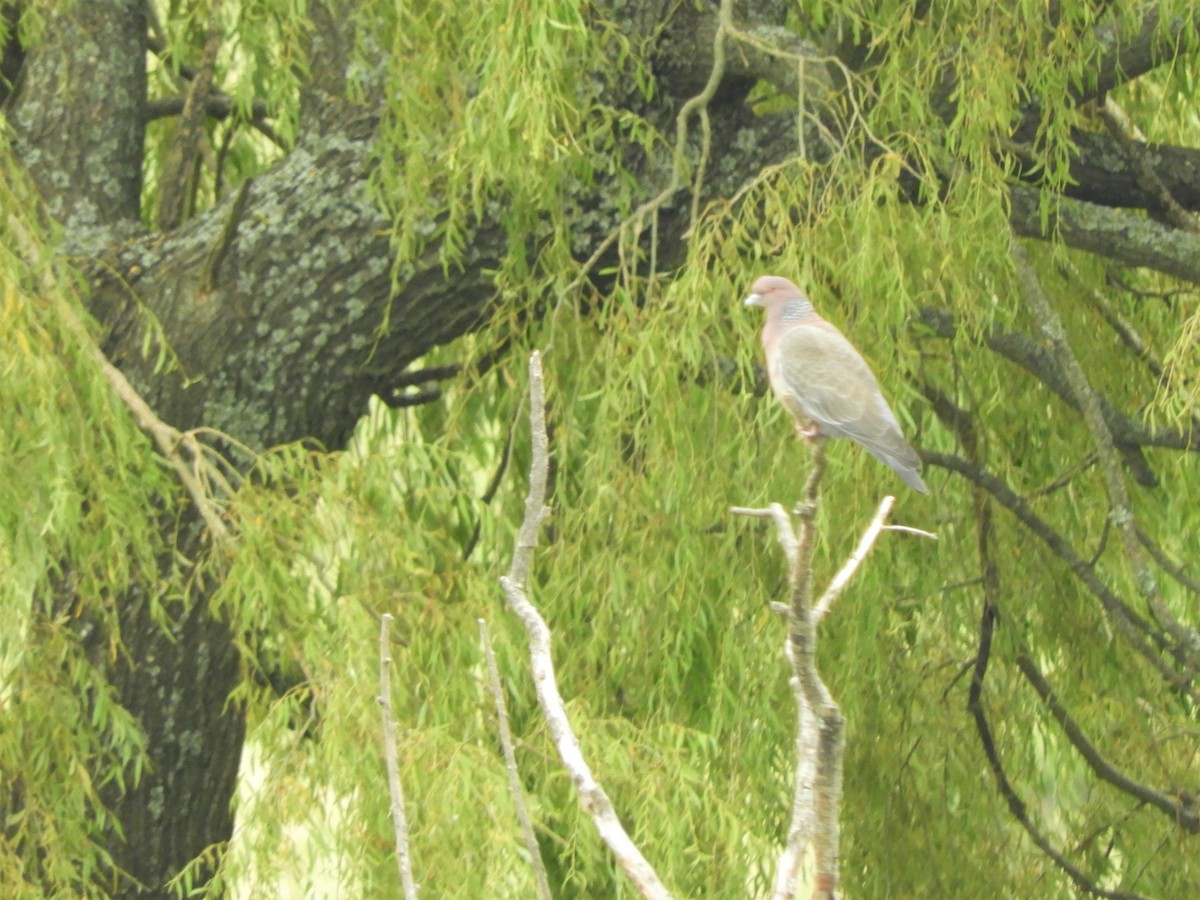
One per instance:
(775, 292)
(771, 289)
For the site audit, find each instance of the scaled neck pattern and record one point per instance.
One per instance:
(797, 311)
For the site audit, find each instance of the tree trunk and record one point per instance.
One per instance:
(274, 300)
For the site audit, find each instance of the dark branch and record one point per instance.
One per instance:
(1138, 156)
(1121, 326)
(1125, 56)
(416, 398)
(1133, 627)
(426, 379)
(1129, 239)
(1171, 568)
(175, 190)
(1015, 804)
(217, 106)
(1186, 815)
(1088, 401)
(426, 375)
(1102, 174)
(1129, 433)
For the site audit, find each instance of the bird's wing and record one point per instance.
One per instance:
(828, 380)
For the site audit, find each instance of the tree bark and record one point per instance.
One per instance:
(274, 303)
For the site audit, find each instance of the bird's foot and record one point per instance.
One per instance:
(808, 431)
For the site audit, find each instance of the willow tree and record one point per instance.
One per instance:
(271, 274)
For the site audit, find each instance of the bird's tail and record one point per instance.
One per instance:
(903, 459)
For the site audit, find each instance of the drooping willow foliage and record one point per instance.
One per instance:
(893, 210)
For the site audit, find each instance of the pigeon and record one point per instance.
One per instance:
(824, 382)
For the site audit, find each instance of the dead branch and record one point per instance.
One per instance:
(510, 764)
(820, 735)
(591, 795)
(395, 789)
(846, 572)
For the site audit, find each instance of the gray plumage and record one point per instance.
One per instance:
(824, 382)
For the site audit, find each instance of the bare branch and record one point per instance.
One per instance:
(908, 529)
(820, 727)
(395, 790)
(783, 527)
(591, 796)
(842, 578)
(510, 764)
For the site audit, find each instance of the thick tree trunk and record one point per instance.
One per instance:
(273, 302)
(176, 680)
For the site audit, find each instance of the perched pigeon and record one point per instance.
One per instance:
(824, 382)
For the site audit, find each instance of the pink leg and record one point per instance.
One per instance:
(808, 431)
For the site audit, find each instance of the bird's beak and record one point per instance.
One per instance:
(753, 300)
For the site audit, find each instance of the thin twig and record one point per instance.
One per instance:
(842, 578)
(1118, 323)
(493, 486)
(395, 790)
(1065, 479)
(679, 166)
(916, 532)
(591, 795)
(168, 439)
(510, 763)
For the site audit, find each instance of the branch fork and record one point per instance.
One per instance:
(820, 737)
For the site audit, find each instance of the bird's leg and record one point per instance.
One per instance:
(807, 431)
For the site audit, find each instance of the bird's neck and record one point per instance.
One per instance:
(796, 311)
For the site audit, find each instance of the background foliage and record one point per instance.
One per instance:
(545, 123)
